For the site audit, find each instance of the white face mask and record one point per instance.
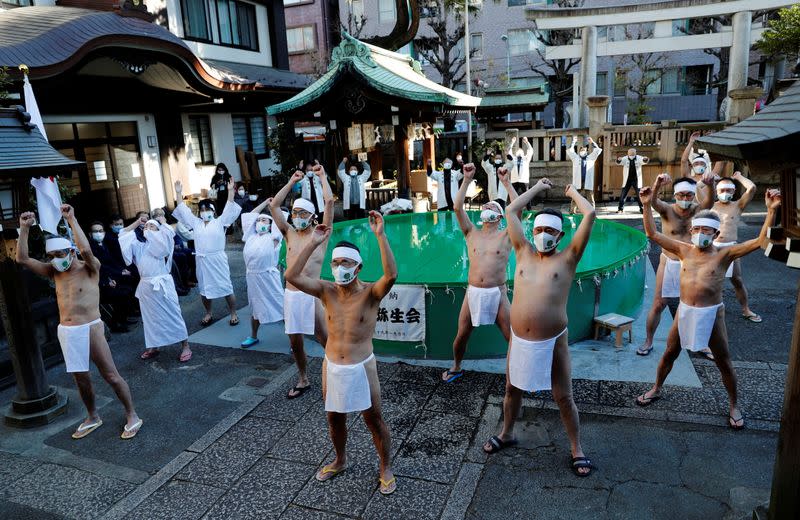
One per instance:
(702, 240)
(699, 169)
(582, 154)
(545, 242)
(149, 234)
(498, 162)
(344, 275)
(447, 165)
(62, 264)
(458, 158)
(353, 172)
(207, 216)
(241, 193)
(685, 204)
(262, 227)
(253, 197)
(98, 236)
(301, 223)
(724, 196)
(488, 215)
(309, 174)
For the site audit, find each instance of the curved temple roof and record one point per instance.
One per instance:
(50, 40)
(387, 72)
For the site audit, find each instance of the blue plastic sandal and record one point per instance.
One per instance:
(249, 342)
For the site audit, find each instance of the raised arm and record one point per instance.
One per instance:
(294, 274)
(527, 149)
(581, 237)
(505, 180)
(461, 215)
(79, 237)
(384, 284)
(327, 194)
(182, 213)
(749, 189)
(659, 205)
(673, 246)
(596, 151)
(571, 148)
(26, 220)
(772, 199)
(258, 209)
(514, 212)
(705, 191)
(366, 171)
(686, 167)
(510, 151)
(341, 170)
(275, 204)
(231, 191)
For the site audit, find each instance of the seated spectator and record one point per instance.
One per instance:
(117, 283)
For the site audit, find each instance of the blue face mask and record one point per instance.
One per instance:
(116, 228)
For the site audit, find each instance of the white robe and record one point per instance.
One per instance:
(576, 166)
(496, 188)
(213, 272)
(455, 178)
(639, 161)
(161, 311)
(264, 287)
(305, 192)
(521, 172)
(361, 179)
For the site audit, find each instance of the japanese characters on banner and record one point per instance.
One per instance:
(401, 314)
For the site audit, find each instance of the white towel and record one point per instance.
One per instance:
(530, 363)
(483, 304)
(298, 312)
(722, 245)
(347, 387)
(74, 340)
(695, 325)
(671, 283)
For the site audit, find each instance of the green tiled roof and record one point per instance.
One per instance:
(390, 73)
(515, 97)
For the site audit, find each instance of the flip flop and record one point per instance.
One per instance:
(452, 376)
(249, 342)
(149, 354)
(388, 486)
(755, 318)
(643, 400)
(644, 352)
(707, 354)
(205, 322)
(499, 444)
(185, 356)
(300, 391)
(130, 433)
(85, 429)
(327, 473)
(581, 462)
(233, 322)
(732, 423)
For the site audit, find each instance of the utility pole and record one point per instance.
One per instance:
(469, 80)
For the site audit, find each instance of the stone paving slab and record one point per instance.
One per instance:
(12, 510)
(294, 512)
(14, 467)
(66, 491)
(465, 396)
(307, 441)
(417, 499)
(263, 492)
(177, 499)
(233, 454)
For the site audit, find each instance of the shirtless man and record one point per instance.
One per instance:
(486, 301)
(349, 371)
(730, 212)
(675, 223)
(80, 331)
(302, 313)
(700, 322)
(538, 355)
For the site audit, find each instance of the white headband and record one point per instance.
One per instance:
(57, 244)
(346, 252)
(153, 221)
(496, 207)
(721, 184)
(705, 222)
(303, 204)
(700, 158)
(547, 220)
(684, 186)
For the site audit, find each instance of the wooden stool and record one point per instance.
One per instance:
(616, 323)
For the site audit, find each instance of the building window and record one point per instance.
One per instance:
(386, 13)
(250, 133)
(652, 79)
(237, 24)
(301, 39)
(196, 20)
(697, 80)
(521, 42)
(295, 2)
(476, 45)
(671, 81)
(620, 83)
(601, 83)
(200, 136)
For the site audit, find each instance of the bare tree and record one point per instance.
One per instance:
(557, 73)
(445, 49)
(355, 22)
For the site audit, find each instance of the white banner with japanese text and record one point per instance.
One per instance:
(401, 314)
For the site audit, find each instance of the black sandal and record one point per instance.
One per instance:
(581, 462)
(499, 444)
(643, 400)
(300, 391)
(733, 423)
(205, 322)
(234, 322)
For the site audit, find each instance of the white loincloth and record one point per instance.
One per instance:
(161, 311)
(74, 341)
(483, 304)
(671, 282)
(347, 387)
(530, 363)
(265, 295)
(722, 245)
(213, 275)
(695, 325)
(299, 311)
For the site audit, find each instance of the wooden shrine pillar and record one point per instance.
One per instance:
(401, 140)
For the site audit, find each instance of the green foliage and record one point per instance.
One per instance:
(782, 37)
(5, 83)
(282, 143)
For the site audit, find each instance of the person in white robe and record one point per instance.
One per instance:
(262, 243)
(583, 169)
(354, 190)
(161, 311)
(213, 271)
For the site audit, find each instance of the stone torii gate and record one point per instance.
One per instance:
(739, 37)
